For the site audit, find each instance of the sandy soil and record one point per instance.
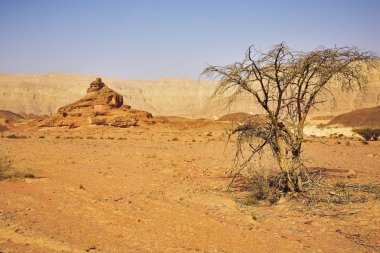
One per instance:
(162, 190)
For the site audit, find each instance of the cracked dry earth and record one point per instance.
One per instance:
(161, 190)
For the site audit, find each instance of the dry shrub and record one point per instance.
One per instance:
(376, 134)
(368, 133)
(14, 136)
(262, 186)
(322, 188)
(7, 170)
(341, 193)
(266, 187)
(6, 166)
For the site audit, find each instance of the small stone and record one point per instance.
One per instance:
(352, 174)
(92, 247)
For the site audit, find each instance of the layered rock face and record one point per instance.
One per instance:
(43, 94)
(100, 106)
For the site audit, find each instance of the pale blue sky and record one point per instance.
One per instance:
(141, 39)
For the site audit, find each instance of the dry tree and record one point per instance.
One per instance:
(286, 85)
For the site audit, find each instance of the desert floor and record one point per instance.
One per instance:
(162, 189)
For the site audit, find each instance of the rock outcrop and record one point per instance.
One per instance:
(100, 106)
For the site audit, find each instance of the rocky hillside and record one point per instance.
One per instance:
(367, 117)
(44, 94)
(10, 117)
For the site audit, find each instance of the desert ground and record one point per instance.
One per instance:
(163, 188)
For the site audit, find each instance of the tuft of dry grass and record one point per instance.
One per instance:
(7, 170)
(6, 166)
(317, 189)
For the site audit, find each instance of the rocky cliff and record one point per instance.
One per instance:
(44, 94)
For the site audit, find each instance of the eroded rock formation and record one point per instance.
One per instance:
(100, 106)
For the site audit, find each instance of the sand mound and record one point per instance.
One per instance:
(325, 117)
(237, 116)
(31, 116)
(369, 117)
(100, 106)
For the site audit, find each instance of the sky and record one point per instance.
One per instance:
(151, 39)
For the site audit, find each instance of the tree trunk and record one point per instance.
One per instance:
(283, 163)
(296, 152)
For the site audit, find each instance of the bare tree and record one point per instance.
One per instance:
(287, 84)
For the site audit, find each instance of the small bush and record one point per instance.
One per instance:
(376, 134)
(73, 137)
(368, 133)
(13, 136)
(42, 137)
(7, 171)
(265, 187)
(175, 139)
(5, 166)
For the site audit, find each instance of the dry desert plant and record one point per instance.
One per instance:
(8, 171)
(6, 164)
(368, 133)
(286, 84)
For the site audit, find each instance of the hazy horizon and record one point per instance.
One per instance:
(158, 39)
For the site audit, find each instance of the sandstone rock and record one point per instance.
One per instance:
(95, 85)
(100, 106)
(123, 121)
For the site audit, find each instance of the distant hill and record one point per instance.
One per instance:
(237, 116)
(10, 117)
(368, 117)
(45, 94)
